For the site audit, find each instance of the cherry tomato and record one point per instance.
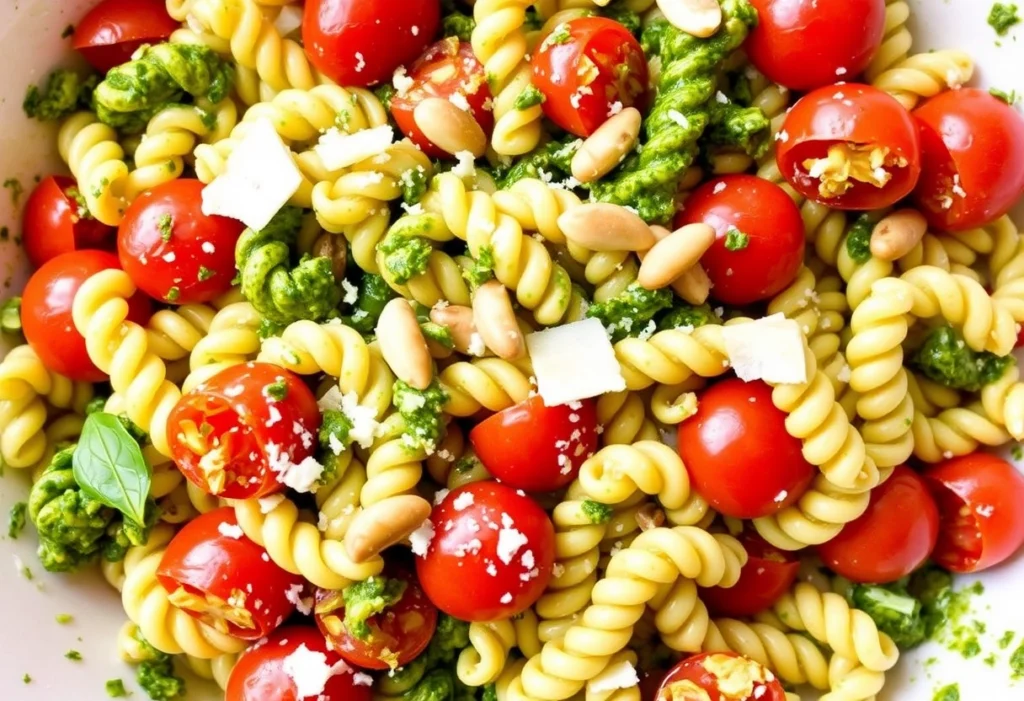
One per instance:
(173, 251)
(447, 69)
(362, 43)
(806, 44)
(114, 29)
(768, 574)
(496, 544)
(971, 171)
(535, 447)
(584, 67)
(54, 222)
(892, 538)
(396, 637)
(760, 244)
(723, 447)
(707, 672)
(294, 664)
(981, 511)
(850, 147)
(240, 434)
(46, 312)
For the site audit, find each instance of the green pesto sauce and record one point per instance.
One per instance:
(596, 512)
(737, 127)
(115, 689)
(73, 655)
(165, 225)
(553, 158)
(736, 240)
(414, 185)
(948, 693)
(16, 519)
(437, 333)
(1006, 640)
(858, 240)
(457, 24)
(687, 316)
(405, 257)
(366, 599)
(423, 413)
(204, 273)
(529, 97)
(945, 358)
(373, 295)
(64, 92)
(482, 269)
(1002, 17)
(276, 390)
(630, 313)
(1017, 663)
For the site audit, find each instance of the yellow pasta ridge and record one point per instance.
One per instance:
(849, 681)
(793, 657)
(97, 161)
(442, 280)
(483, 661)
(485, 383)
(624, 418)
(231, 339)
(393, 464)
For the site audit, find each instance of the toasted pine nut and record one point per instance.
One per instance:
(603, 149)
(459, 321)
(897, 234)
(496, 321)
(450, 129)
(383, 524)
(330, 246)
(649, 516)
(674, 255)
(402, 344)
(694, 286)
(600, 226)
(701, 18)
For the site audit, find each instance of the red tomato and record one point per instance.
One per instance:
(55, 223)
(535, 447)
(46, 312)
(583, 67)
(238, 434)
(971, 171)
(723, 447)
(220, 577)
(880, 139)
(805, 44)
(275, 670)
(362, 43)
(981, 511)
(768, 574)
(774, 244)
(396, 637)
(114, 29)
(173, 251)
(892, 538)
(447, 68)
(493, 583)
(706, 671)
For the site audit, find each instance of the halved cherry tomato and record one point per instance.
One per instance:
(362, 43)
(760, 245)
(723, 447)
(240, 434)
(535, 447)
(981, 511)
(892, 538)
(491, 554)
(768, 574)
(55, 222)
(850, 147)
(805, 44)
(586, 66)
(173, 251)
(46, 312)
(710, 672)
(971, 172)
(114, 29)
(295, 664)
(447, 69)
(396, 637)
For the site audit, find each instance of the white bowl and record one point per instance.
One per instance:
(32, 642)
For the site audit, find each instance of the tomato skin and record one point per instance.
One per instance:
(46, 312)
(692, 670)
(765, 213)
(768, 574)
(487, 509)
(355, 42)
(973, 135)
(245, 421)
(113, 30)
(51, 225)
(992, 529)
(556, 73)
(853, 114)
(260, 673)
(197, 263)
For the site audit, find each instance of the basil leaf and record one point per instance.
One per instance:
(109, 467)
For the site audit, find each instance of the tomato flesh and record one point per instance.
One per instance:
(722, 676)
(54, 223)
(113, 30)
(768, 574)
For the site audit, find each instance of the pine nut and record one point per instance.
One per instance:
(600, 226)
(649, 516)
(402, 344)
(674, 255)
(897, 234)
(383, 524)
(606, 147)
(459, 322)
(701, 18)
(694, 286)
(449, 128)
(496, 321)
(330, 246)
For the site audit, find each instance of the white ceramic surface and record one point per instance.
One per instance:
(32, 642)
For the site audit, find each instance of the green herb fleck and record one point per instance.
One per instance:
(16, 519)
(26, 679)
(1011, 98)
(529, 97)
(948, 693)
(165, 224)
(945, 358)
(14, 185)
(205, 273)
(858, 240)
(559, 35)
(10, 316)
(1006, 640)
(1002, 17)
(115, 689)
(277, 390)
(1017, 663)
(1017, 452)
(482, 269)
(688, 317)
(422, 412)
(457, 24)
(64, 618)
(596, 512)
(736, 240)
(414, 185)
(173, 294)
(631, 312)
(369, 598)
(68, 31)
(73, 655)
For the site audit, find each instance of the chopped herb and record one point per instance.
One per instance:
(10, 315)
(736, 240)
(173, 294)
(277, 390)
(1017, 452)
(115, 689)
(559, 35)
(1011, 98)
(529, 97)
(457, 24)
(631, 312)
(26, 679)
(1017, 663)
(14, 185)
(1002, 17)
(16, 520)
(1006, 640)
(948, 693)
(73, 655)
(596, 512)
(467, 463)
(166, 226)
(483, 268)
(64, 618)
(68, 31)
(858, 240)
(205, 273)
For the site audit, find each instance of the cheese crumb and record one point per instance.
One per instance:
(770, 349)
(310, 671)
(338, 149)
(230, 530)
(419, 540)
(621, 675)
(466, 166)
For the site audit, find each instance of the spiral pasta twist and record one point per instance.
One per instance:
(231, 339)
(671, 357)
(624, 418)
(217, 670)
(816, 518)
(23, 373)
(618, 472)
(174, 333)
(96, 159)
(393, 466)
(442, 278)
(849, 681)
(338, 500)
(793, 657)
(483, 661)
(485, 383)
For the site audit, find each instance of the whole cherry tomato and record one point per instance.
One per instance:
(981, 511)
(708, 672)
(850, 147)
(723, 447)
(496, 544)
(246, 432)
(173, 251)
(587, 69)
(971, 171)
(535, 447)
(114, 29)
(768, 574)
(46, 312)
(362, 43)
(760, 244)
(55, 221)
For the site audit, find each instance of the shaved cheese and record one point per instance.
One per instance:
(288, 20)
(310, 671)
(419, 540)
(365, 427)
(770, 349)
(621, 675)
(230, 530)
(564, 373)
(340, 150)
